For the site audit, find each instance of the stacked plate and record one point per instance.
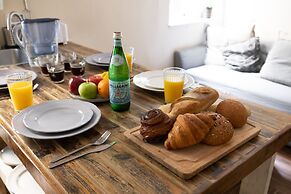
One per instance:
(15, 176)
(20, 181)
(154, 81)
(56, 119)
(99, 59)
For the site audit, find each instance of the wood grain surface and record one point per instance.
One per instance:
(124, 168)
(187, 162)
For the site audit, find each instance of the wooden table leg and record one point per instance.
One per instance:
(257, 182)
(3, 189)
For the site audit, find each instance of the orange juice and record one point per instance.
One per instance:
(173, 89)
(21, 94)
(129, 60)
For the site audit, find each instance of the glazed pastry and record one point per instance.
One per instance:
(234, 111)
(195, 101)
(221, 132)
(189, 129)
(155, 126)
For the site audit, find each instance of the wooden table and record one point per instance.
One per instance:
(123, 168)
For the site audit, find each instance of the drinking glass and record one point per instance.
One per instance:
(67, 58)
(20, 89)
(56, 70)
(129, 53)
(42, 62)
(78, 67)
(173, 83)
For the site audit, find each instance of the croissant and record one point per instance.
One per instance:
(189, 129)
(195, 101)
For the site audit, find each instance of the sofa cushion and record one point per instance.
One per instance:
(247, 86)
(244, 56)
(277, 67)
(219, 37)
(214, 56)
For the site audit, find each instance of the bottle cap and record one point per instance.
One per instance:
(117, 35)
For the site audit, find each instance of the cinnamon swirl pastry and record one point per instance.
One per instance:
(155, 126)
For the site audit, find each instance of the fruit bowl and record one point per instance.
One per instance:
(97, 99)
(93, 89)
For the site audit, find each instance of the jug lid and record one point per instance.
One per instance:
(39, 20)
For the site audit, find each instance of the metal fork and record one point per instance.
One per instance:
(99, 141)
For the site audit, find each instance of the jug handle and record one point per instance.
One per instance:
(63, 32)
(15, 32)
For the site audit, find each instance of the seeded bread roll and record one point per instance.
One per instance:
(221, 132)
(234, 111)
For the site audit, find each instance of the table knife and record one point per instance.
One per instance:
(95, 150)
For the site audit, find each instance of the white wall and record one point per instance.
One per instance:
(144, 24)
(271, 17)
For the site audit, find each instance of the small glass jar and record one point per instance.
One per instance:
(56, 69)
(78, 67)
(67, 58)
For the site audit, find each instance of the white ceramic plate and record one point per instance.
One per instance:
(153, 80)
(20, 128)
(57, 116)
(99, 59)
(20, 181)
(98, 99)
(8, 157)
(5, 72)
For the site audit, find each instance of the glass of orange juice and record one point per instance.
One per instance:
(129, 53)
(20, 89)
(173, 83)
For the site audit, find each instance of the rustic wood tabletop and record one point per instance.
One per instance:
(124, 168)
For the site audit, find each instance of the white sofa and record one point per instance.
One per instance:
(248, 86)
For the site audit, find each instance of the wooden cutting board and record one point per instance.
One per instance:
(189, 161)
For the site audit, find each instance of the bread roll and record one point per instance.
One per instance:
(221, 132)
(195, 101)
(189, 129)
(234, 111)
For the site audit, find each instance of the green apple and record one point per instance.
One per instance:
(88, 90)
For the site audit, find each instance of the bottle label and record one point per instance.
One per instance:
(119, 91)
(117, 60)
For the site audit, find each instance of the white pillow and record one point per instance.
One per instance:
(219, 37)
(277, 67)
(238, 34)
(214, 56)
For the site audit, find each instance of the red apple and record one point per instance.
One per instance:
(74, 83)
(95, 79)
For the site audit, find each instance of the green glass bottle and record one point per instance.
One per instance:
(119, 77)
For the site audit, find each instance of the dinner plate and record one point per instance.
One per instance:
(5, 72)
(97, 99)
(20, 128)
(153, 80)
(9, 157)
(99, 59)
(57, 116)
(20, 181)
